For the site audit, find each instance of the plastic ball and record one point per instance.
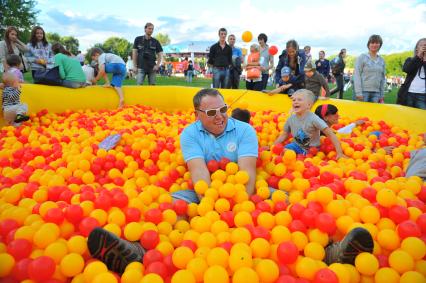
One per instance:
(41, 268)
(72, 264)
(152, 278)
(181, 256)
(386, 275)
(366, 264)
(306, 268)
(401, 261)
(216, 274)
(412, 277)
(245, 275)
(267, 270)
(7, 263)
(149, 239)
(19, 248)
(183, 276)
(415, 247)
(325, 275)
(287, 252)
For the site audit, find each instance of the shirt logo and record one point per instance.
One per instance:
(231, 147)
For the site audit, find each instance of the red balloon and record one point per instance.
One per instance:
(159, 268)
(20, 270)
(180, 207)
(153, 215)
(74, 213)
(408, 229)
(87, 225)
(273, 50)
(41, 268)
(287, 252)
(325, 275)
(149, 239)
(326, 223)
(152, 256)
(19, 248)
(398, 213)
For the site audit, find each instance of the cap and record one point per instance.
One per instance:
(285, 71)
(309, 67)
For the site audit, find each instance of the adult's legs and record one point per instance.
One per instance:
(339, 86)
(140, 77)
(258, 86)
(216, 77)
(151, 77)
(249, 85)
(417, 100)
(71, 84)
(265, 78)
(371, 96)
(225, 78)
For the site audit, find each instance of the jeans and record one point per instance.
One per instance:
(220, 77)
(189, 75)
(140, 77)
(254, 85)
(371, 96)
(265, 78)
(234, 79)
(417, 100)
(72, 84)
(188, 196)
(339, 87)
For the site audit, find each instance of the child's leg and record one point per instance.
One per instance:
(118, 75)
(119, 91)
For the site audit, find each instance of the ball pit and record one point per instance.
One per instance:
(56, 186)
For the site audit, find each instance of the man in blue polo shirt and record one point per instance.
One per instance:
(214, 136)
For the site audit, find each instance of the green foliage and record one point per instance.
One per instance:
(69, 42)
(119, 46)
(163, 38)
(20, 14)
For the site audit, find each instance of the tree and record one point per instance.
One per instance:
(53, 38)
(163, 38)
(20, 14)
(71, 44)
(119, 46)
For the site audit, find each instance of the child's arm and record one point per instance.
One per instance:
(279, 89)
(329, 133)
(101, 73)
(281, 138)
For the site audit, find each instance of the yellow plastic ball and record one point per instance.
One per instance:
(415, 247)
(314, 251)
(72, 264)
(386, 275)
(245, 275)
(366, 264)
(181, 256)
(401, 261)
(183, 276)
(216, 274)
(267, 270)
(412, 277)
(7, 264)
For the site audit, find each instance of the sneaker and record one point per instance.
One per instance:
(21, 118)
(357, 241)
(116, 253)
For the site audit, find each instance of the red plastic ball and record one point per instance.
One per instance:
(74, 213)
(325, 275)
(153, 215)
(159, 268)
(41, 268)
(309, 216)
(7, 225)
(132, 214)
(408, 229)
(149, 239)
(54, 215)
(152, 256)
(190, 244)
(421, 222)
(87, 225)
(286, 279)
(19, 248)
(287, 252)
(296, 210)
(326, 223)
(180, 207)
(20, 270)
(398, 214)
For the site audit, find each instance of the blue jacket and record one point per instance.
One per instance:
(298, 75)
(324, 68)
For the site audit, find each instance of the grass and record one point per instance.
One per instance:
(390, 97)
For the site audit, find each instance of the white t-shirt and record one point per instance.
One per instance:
(89, 72)
(418, 84)
(106, 58)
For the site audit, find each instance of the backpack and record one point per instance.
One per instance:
(335, 65)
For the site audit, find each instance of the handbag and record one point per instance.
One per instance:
(48, 77)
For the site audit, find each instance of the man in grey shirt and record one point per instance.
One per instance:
(268, 60)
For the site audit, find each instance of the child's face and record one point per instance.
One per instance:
(285, 78)
(95, 57)
(301, 103)
(332, 119)
(309, 74)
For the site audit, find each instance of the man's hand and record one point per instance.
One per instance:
(135, 70)
(156, 67)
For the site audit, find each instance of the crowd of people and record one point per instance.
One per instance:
(214, 135)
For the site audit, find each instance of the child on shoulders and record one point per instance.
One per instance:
(305, 126)
(110, 63)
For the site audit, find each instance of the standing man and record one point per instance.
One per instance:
(147, 56)
(308, 54)
(237, 60)
(323, 65)
(268, 60)
(220, 60)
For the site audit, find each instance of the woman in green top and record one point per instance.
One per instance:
(70, 70)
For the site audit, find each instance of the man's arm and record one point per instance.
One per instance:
(198, 169)
(135, 58)
(248, 164)
(159, 61)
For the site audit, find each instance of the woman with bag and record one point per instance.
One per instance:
(413, 92)
(39, 52)
(253, 69)
(12, 45)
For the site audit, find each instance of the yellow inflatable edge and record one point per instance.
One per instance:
(172, 98)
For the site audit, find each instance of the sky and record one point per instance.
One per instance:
(325, 25)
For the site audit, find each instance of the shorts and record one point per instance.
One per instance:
(296, 148)
(118, 72)
(187, 195)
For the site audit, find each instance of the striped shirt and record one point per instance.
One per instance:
(11, 96)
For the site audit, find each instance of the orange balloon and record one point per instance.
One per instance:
(247, 36)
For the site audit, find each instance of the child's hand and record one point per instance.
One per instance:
(359, 122)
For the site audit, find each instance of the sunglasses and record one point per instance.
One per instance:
(213, 112)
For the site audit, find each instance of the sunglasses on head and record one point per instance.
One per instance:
(213, 112)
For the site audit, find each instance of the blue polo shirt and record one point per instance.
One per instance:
(236, 52)
(238, 140)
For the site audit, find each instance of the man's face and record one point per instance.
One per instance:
(222, 35)
(95, 57)
(307, 50)
(231, 40)
(261, 42)
(215, 125)
(321, 55)
(149, 30)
